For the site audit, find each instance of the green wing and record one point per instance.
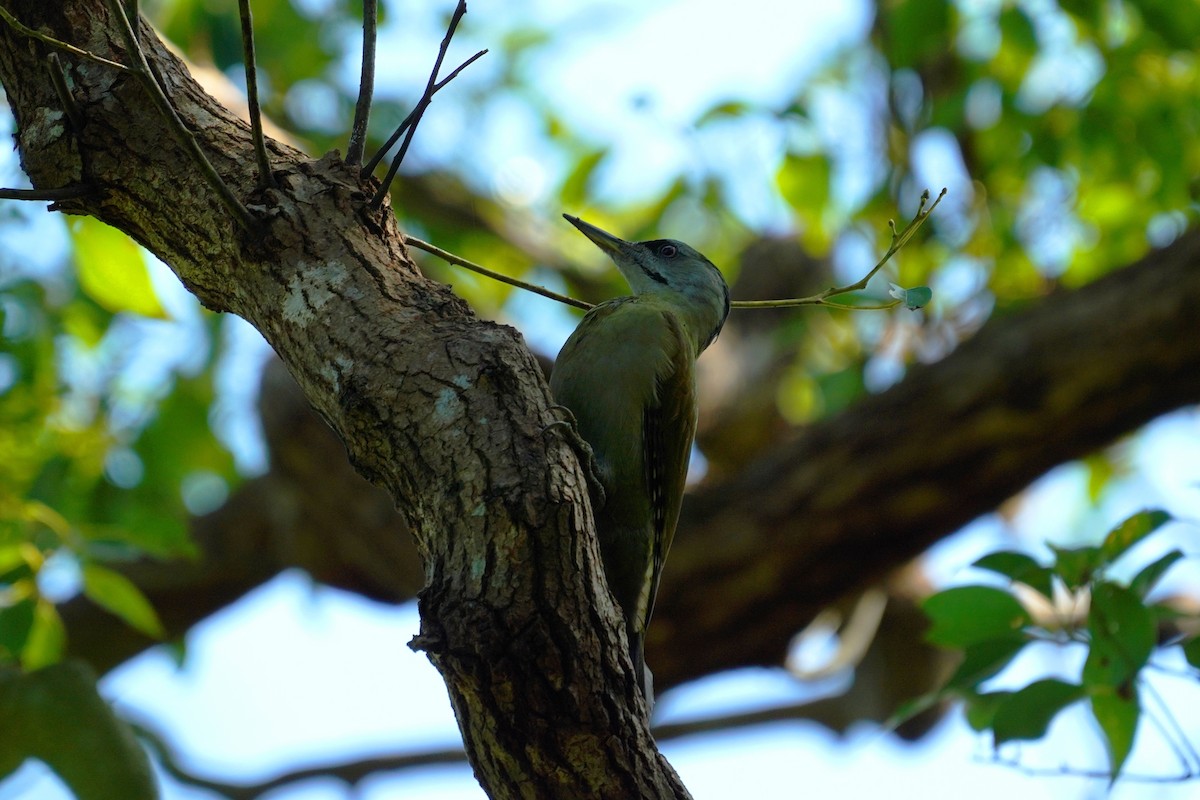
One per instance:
(628, 375)
(669, 425)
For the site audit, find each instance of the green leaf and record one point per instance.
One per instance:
(730, 109)
(1076, 565)
(917, 297)
(1132, 531)
(1117, 714)
(575, 187)
(112, 270)
(1191, 651)
(803, 181)
(984, 659)
(1018, 567)
(1148, 577)
(62, 721)
(15, 623)
(981, 709)
(1122, 632)
(967, 615)
(47, 638)
(115, 592)
(1027, 713)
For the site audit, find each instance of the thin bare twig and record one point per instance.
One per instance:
(52, 195)
(462, 262)
(160, 99)
(352, 772)
(403, 126)
(61, 45)
(266, 179)
(431, 87)
(899, 239)
(366, 85)
(59, 78)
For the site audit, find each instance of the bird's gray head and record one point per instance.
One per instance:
(672, 270)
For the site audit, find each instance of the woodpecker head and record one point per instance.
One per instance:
(672, 271)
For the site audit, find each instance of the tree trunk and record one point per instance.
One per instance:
(447, 412)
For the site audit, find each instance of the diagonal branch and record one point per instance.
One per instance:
(185, 136)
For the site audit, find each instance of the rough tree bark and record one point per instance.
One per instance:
(447, 412)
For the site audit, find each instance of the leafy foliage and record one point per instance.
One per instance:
(992, 627)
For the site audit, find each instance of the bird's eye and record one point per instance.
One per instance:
(667, 251)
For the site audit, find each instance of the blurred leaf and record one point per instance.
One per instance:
(917, 31)
(1132, 531)
(981, 709)
(56, 716)
(16, 621)
(968, 615)
(1191, 651)
(112, 270)
(1117, 713)
(47, 638)
(1076, 565)
(1122, 636)
(840, 389)
(727, 110)
(1148, 577)
(985, 659)
(1019, 567)
(574, 190)
(1027, 713)
(116, 593)
(803, 181)
(1100, 472)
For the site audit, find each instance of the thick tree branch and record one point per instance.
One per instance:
(856, 495)
(445, 411)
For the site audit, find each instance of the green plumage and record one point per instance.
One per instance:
(628, 374)
(628, 367)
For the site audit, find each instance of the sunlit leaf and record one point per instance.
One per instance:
(112, 270)
(575, 187)
(804, 183)
(726, 110)
(1117, 713)
(47, 638)
(116, 593)
(1132, 531)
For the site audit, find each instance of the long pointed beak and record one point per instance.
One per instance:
(610, 244)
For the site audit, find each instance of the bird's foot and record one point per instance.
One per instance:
(583, 450)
